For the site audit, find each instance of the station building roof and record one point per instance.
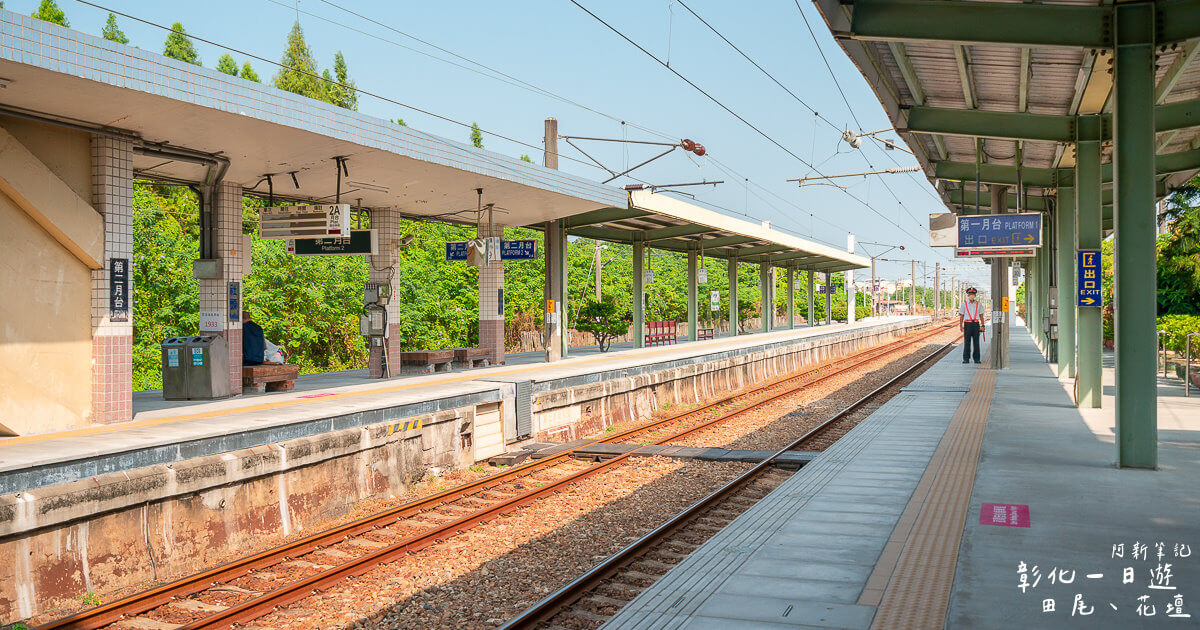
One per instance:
(1004, 83)
(164, 104)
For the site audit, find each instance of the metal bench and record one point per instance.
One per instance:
(427, 361)
(269, 378)
(472, 357)
(661, 333)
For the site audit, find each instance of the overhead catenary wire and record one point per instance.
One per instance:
(733, 113)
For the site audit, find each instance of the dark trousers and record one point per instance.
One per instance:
(970, 341)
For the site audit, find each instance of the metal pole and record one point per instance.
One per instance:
(733, 297)
(874, 291)
(851, 293)
(812, 311)
(597, 271)
(764, 295)
(791, 297)
(1089, 232)
(1064, 241)
(912, 295)
(937, 289)
(638, 329)
(1134, 225)
(693, 311)
(828, 298)
(999, 288)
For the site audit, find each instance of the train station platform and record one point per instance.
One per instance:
(972, 499)
(164, 432)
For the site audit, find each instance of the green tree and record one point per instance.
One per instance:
(526, 158)
(179, 46)
(112, 32)
(476, 136)
(299, 74)
(604, 320)
(342, 91)
(48, 10)
(249, 74)
(400, 121)
(227, 65)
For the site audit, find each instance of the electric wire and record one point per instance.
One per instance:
(733, 113)
(827, 66)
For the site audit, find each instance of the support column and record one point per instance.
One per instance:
(112, 330)
(491, 301)
(218, 295)
(555, 323)
(1134, 226)
(1089, 233)
(380, 270)
(851, 290)
(638, 329)
(937, 290)
(812, 312)
(1064, 227)
(791, 298)
(828, 298)
(693, 311)
(766, 311)
(1000, 281)
(733, 297)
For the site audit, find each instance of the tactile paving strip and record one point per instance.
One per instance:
(911, 583)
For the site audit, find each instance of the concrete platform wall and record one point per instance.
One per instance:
(160, 522)
(579, 407)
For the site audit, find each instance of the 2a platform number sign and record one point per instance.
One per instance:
(1088, 283)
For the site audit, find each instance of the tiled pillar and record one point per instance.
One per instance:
(112, 330)
(390, 230)
(217, 295)
(491, 302)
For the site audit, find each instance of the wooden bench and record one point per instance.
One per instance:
(661, 333)
(704, 333)
(472, 357)
(269, 378)
(427, 361)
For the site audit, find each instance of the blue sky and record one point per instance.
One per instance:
(556, 46)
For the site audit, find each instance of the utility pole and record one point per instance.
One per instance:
(597, 263)
(874, 290)
(851, 297)
(937, 289)
(912, 297)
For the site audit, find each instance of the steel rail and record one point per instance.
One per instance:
(138, 603)
(546, 609)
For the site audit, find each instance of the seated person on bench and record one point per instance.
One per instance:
(256, 349)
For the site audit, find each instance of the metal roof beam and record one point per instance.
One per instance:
(675, 231)
(909, 73)
(603, 233)
(603, 215)
(981, 22)
(1023, 87)
(981, 124)
(724, 241)
(964, 76)
(966, 198)
(761, 249)
(1164, 164)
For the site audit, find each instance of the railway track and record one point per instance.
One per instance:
(589, 600)
(250, 587)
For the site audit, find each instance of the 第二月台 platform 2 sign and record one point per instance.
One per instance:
(1000, 230)
(509, 250)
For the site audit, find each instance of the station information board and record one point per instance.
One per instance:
(1000, 230)
(356, 243)
(509, 250)
(295, 222)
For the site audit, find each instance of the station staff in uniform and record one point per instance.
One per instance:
(970, 322)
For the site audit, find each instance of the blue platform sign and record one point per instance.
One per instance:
(456, 250)
(1088, 282)
(518, 250)
(1000, 230)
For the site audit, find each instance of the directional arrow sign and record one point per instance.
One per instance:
(1090, 271)
(1000, 230)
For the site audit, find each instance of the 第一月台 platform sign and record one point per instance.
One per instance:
(357, 242)
(1000, 230)
(296, 222)
(1088, 281)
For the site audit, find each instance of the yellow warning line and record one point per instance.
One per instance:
(291, 402)
(913, 579)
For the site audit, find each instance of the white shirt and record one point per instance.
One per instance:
(970, 311)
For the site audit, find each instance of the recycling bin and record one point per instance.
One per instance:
(196, 368)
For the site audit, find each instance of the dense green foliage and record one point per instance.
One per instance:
(179, 46)
(48, 10)
(476, 135)
(301, 75)
(1176, 328)
(227, 65)
(1179, 253)
(112, 32)
(249, 74)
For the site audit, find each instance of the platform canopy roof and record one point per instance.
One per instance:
(996, 90)
(187, 122)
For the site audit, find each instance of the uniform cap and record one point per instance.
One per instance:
(972, 290)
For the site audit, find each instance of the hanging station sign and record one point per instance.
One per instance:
(297, 222)
(358, 242)
(509, 250)
(994, 252)
(1000, 230)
